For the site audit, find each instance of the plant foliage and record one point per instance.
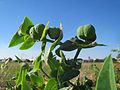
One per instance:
(62, 70)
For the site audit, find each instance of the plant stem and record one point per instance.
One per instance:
(44, 72)
(77, 53)
(71, 84)
(51, 41)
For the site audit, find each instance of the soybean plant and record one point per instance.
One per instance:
(62, 70)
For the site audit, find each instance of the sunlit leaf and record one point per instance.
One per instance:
(16, 39)
(37, 63)
(37, 80)
(28, 43)
(51, 85)
(25, 86)
(26, 24)
(53, 63)
(106, 79)
(22, 74)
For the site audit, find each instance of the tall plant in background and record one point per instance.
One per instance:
(62, 71)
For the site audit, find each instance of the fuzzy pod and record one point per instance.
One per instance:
(32, 33)
(87, 33)
(36, 31)
(54, 33)
(39, 29)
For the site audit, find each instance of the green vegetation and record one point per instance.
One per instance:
(61, 73)
(88, 69)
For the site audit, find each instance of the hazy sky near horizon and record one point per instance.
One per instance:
(103, 14)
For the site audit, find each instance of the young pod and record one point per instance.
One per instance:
(36, 31)
(54, 33)
(32, 33)
(39, 29)
(87, 33)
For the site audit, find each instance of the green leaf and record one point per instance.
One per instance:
(16, 39)
(106, 79)
(53, 63)
(37, 80)
(25, 86)
(22, 74)
(68, 75)
(26, 24)
(28, 43)
(98, 44)
(37, 63)
(25, 37)
(89, 45)
(63, 59)
(51, 85)
(21, 79)
(68, 46)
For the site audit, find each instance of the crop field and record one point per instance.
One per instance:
(13, 68)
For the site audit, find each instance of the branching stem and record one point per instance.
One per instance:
(51, 41)
(71, 83)
(44, 72)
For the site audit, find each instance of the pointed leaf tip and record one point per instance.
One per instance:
(106, 79)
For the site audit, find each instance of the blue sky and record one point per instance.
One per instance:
(103, 14)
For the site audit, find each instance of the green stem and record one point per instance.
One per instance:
(43, 50)
(44, 72)
(71, 83)
(51, 41)
(77, 53)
